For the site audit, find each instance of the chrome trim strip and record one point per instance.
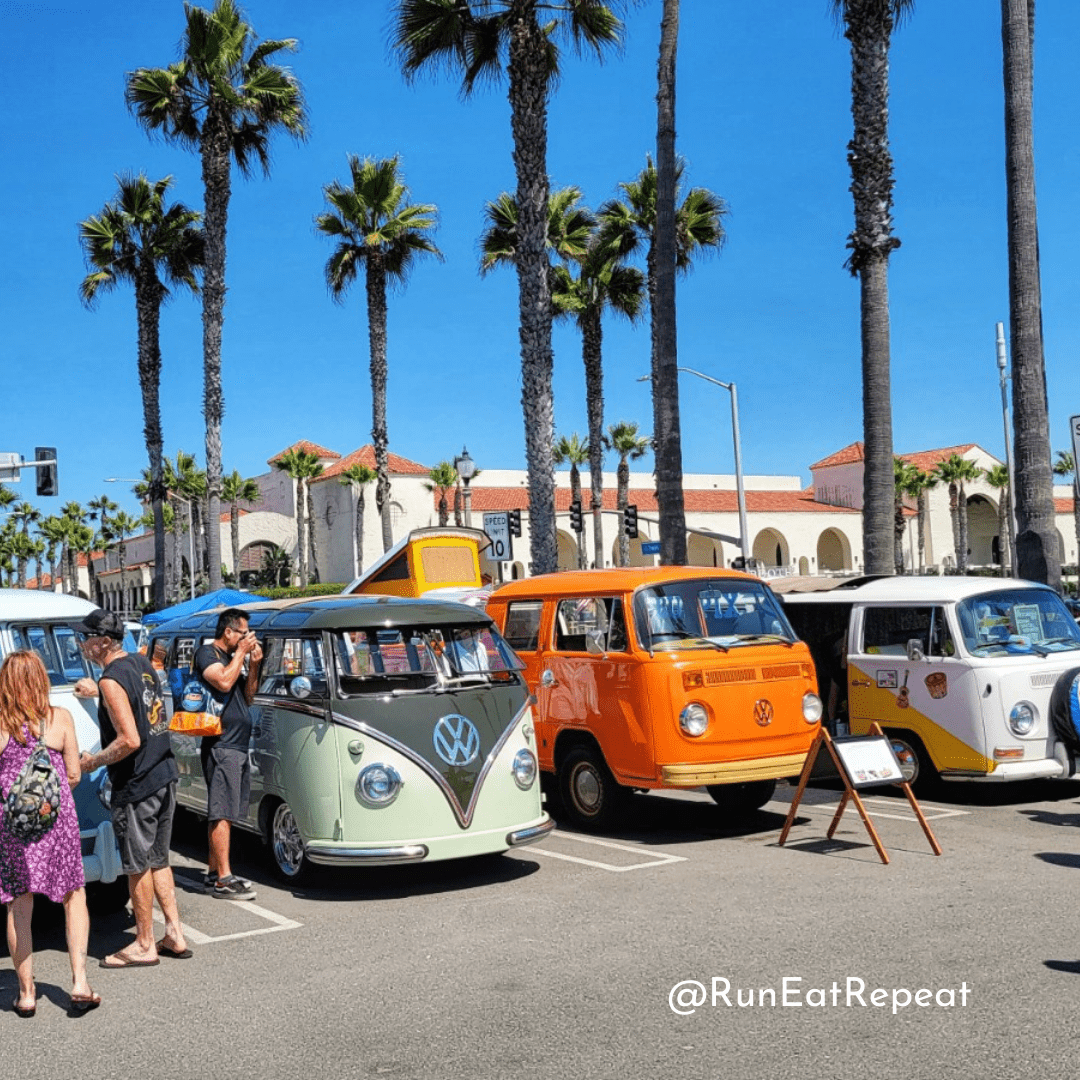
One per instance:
(289, 704)
(464, 815)
(366, 856)
(530, 836)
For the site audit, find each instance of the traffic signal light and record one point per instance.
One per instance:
(46, 474)
(514, 521)
(575, 516)
(630, 522)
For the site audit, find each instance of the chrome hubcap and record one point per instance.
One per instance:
(909, 763)
(586, 787)
(288, 844)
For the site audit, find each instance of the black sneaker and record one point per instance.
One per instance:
(233, 888)
(210, 880)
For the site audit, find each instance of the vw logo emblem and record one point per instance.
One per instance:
(456, 740)
(763, 712)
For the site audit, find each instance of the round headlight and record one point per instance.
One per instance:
(378, 785)
(811, 707)
(694, 720)
(524, 769)
(104, 793)
(1022, 718)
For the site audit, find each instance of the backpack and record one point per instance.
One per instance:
(32, 804)
(199, 712)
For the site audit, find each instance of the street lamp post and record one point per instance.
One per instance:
(1003, 378)
(466, 469)
(744, 531)
(190, 529)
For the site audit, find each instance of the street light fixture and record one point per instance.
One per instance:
(466, 469)
(1003, 378)
(744, 531)
(190, 524)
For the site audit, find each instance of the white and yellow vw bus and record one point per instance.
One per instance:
(958, 670)
(385, 730)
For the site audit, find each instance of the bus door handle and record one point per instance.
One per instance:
(548, 680)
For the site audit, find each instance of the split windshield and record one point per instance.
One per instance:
(712, 613)
(371, 660)
(1017, 622)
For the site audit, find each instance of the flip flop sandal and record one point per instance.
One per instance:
(83, 1003)
(126, 962)
(175, 954)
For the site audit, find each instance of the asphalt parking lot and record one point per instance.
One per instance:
(583, 956)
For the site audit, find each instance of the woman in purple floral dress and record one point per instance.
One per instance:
(52, 865)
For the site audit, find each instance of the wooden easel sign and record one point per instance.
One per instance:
(862, 761)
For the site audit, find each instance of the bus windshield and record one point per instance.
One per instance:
(717, 613)
(1017, 622)
(418, 657)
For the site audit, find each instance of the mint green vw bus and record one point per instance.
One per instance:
(384, 731)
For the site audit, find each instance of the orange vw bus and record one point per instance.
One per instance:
(660, 677)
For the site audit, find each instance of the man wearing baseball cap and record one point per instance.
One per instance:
(135, 748)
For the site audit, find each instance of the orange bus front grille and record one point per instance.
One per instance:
(730, 675)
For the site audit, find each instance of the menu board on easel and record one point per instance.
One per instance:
(862, 761)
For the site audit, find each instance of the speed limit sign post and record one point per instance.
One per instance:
(497, 527)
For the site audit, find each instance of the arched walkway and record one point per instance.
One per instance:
(982, 516)
(568, 550)
(702, 551)
(251, 561)
(770, 548)
(833, 551)
(636, 557)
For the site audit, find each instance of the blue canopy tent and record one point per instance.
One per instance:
(218, 598)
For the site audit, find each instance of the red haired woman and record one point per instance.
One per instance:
(52, 865)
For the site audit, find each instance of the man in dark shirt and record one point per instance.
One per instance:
(225, 762)
(135, 748)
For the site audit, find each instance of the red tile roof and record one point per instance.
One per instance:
(712, 501)
(924, 459)
(399, 466)
(1063, 506)
(308, 448)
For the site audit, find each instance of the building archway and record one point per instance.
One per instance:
(804, 566)
(568, 551)
(833, 550)
(982, 517)
(771, 548)
(252, 558)
(704, 551)
(636, 557)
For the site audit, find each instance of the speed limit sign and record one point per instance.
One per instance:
(497, 526)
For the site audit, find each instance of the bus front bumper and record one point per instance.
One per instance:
(703, 774)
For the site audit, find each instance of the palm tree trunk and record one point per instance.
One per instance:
(898, 533)
(962, 522)
(444, 509)
(457, 504)
(178, 574)
(376, 303)
(622, 499)
(359, 529)
(1004, 551)
(313, 550)
(301, 552)
(217, 182)
(954, 516)
(234, 536)
(592, 354)
(922, 530)
(148, 297)
(528, 68)
(667, 436)
(1036, 543)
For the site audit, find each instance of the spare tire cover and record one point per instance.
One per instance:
(1065, 709)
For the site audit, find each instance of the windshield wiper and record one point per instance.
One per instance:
(745, 639)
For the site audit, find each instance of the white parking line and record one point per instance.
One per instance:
(197, 937)
(931, 813)
(656, 858)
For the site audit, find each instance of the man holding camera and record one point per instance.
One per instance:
(229, 668)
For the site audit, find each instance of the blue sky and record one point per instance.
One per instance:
(763, 120)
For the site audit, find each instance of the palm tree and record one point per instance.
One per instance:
(904, 477)
(998, 478)
(869, 25)
(39, 547)
(916, 486)
(1038, 558)
(375, 226)
(477, 38)
(121, 526)
(624, 440)
(74, 517)
(53, 531)
(300, 465)
(276, 568)
(954, 471)
(569, 449)
(1065, 466)
(602, 283)
(7, 497)
(138, 238)
(224, 99)
(24, 514)
(313, 550)
(235, 490)
(627, 225)
(570, 229)
(358, 476)
(442, 478)
(184, 479)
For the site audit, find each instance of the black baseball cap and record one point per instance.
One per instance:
(102, 623)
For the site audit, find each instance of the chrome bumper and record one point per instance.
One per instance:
(732, 772)
(102, 863)
(531, 835)
(406, 853)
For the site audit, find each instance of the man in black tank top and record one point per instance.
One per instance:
(136, 749)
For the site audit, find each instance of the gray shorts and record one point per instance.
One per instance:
(144, 830)
(228, 783)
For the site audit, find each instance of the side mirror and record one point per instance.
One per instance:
(548, 679)
(594, 641)
(914, 650)
(300, 687)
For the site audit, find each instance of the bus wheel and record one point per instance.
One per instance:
(588, 791)
(915, 764)
(742, 798)
(286, 844)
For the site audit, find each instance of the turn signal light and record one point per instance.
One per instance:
(692, 680)
(1003, 753)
